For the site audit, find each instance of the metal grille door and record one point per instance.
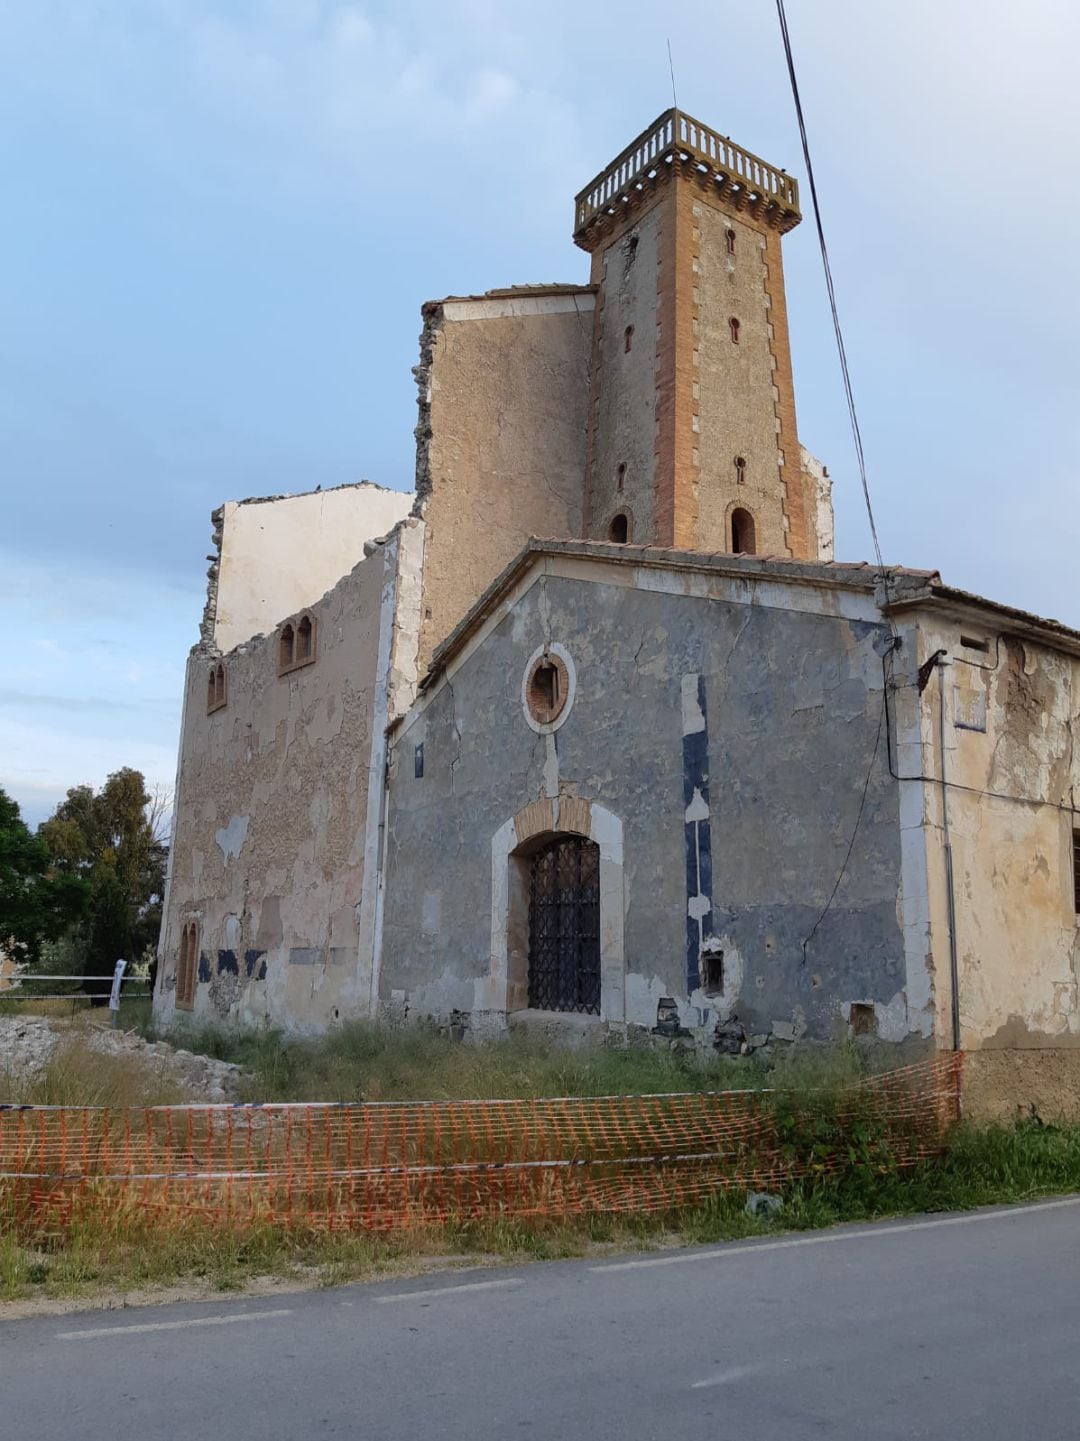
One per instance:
(564, 927)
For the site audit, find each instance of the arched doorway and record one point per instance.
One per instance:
(564, 926)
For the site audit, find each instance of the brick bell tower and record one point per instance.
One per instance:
(692, 440)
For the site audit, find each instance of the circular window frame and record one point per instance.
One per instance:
(551, 654)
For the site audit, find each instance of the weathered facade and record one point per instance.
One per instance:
(671, 768)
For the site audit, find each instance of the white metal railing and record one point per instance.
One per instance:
(675, 132)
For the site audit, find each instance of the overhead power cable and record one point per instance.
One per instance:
(860, 455)
(838, 331)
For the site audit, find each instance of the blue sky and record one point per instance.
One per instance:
(221, 220)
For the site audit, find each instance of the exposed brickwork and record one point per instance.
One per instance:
(801, 539)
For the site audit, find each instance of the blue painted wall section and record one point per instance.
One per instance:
(698, 825)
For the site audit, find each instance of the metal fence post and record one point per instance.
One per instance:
(114, 994)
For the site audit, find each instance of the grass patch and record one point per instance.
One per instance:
(78, 1075)
(123, 1248)
(363, 1062)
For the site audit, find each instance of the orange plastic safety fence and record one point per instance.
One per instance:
(382, 1166)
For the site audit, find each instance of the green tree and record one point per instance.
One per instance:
(114, 840)
(39, 902)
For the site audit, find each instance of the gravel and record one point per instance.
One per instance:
(29, 1043)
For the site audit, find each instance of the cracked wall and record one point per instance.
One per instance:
(1010, 757)
(273, 827)
(504, 383)
(793, 702)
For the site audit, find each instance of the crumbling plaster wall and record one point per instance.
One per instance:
(790, 700)
(279, 554)
(1010, 722)
(819, 504)
(274, 830)
(504, 384)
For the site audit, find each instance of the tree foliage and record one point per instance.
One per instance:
(39, 901)
(113, 839)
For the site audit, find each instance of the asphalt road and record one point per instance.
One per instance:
(952, 1328)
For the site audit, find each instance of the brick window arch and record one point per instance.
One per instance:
(743, 539)
(547, 688)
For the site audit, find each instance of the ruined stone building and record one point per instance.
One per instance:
(592, 729)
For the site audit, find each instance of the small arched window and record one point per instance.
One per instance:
(740, 470)
(619, 529)
(628, 339)
(286, 648)
(733, 325)
(620, 476)
(729, 235)
(296, 644)
(742, 532)
(215, 688)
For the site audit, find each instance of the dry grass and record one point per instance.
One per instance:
(79, 1075)
(362, 1062)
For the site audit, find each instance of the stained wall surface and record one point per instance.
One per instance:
(282, 553)
(274, 836)
(737, 410)
(1010, 714)
(504, 384)
(624, 384)
(725, 730)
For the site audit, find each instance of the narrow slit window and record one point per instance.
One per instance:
(628, 339)
(734, 327)
(1076, 871)
(729, 236)
(620, 477)
(740, 470)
